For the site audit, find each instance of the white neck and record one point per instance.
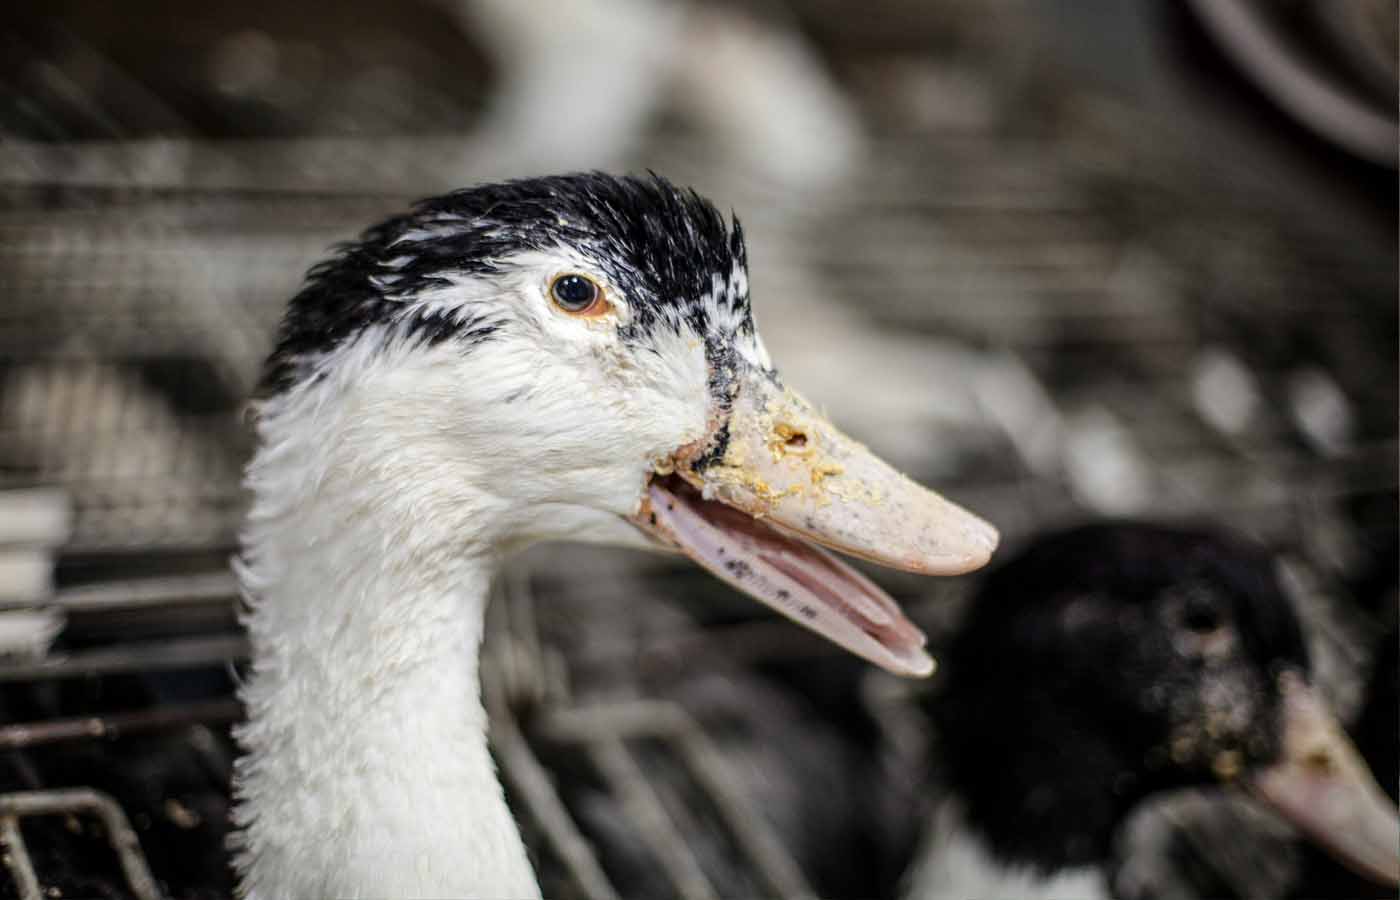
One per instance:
(367, 772)
(954, 863)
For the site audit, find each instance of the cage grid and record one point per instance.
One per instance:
(23, 804)
(602, 733)
(128, 346)
(1057, 314)
(127, 349)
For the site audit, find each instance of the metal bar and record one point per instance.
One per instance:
(36, 517)
(115, 725)
(654, 826)
(144, 656)
(757, 842)
(217, 587)
(26, 576)
(611, 721)
(533, 783)
(120, 835)
(128, 846)
(17, 859)
(605, 724)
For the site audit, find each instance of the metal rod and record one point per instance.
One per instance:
(665, 721)
(644, 810)
(128, 846)
(114, 725)
(530, 779)
(215, 587)
(120, 835)
(668, 722)
(143, 656)
(609, 721)
(17, 859)
(757, 842)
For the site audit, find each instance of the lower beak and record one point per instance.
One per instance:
(1324, 788)
(775, 478)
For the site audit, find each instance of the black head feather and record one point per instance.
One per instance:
(1102, 664)
(668, 249)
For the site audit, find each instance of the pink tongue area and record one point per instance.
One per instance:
(803, 582)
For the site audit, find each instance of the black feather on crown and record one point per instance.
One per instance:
(668, 250)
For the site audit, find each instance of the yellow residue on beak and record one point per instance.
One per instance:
(786, 440)
(784, 461)
(792, 444)
(822, 471)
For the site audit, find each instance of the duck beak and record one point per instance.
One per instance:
(1325, 789)
(774, 480)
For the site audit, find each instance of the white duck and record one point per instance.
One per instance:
(560, 358)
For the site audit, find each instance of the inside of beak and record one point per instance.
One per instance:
(803, 582)
(1325, 789)
(776, 480)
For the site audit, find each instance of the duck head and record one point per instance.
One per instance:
(576, 358)
(1110, 661)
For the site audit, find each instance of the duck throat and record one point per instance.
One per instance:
(366, 769)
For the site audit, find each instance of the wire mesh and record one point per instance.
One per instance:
(122, 839)
(1054, 306)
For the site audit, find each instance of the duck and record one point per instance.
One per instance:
(568, 357)
(1103, 664)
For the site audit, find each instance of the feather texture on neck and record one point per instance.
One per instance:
(366, 564)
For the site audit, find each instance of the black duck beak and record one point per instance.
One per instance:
(1325, 789)
(774, 479)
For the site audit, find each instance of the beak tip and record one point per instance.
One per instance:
(983, 554)
(981, 540)
(989, 535)
(917, 664)
(967, 556)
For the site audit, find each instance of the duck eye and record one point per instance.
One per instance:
(1200, 619)
(578, 295)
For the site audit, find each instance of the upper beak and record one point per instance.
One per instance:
(785, 462)
(1324, 788)
(773, 475)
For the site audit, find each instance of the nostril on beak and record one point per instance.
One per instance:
(1320, 761)
(796, 441)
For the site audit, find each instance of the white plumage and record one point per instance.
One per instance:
(435, 406)
(385, 496)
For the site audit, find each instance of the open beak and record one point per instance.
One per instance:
(1324, 788)
(774, 479)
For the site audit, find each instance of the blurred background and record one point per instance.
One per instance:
(1060, 260)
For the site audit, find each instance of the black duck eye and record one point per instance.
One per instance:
(578, 295)
(1200, 618)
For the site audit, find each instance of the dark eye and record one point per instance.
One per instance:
(577, 294)
(1200, 618)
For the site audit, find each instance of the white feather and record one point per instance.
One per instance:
(954, 864)
(386, 490)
